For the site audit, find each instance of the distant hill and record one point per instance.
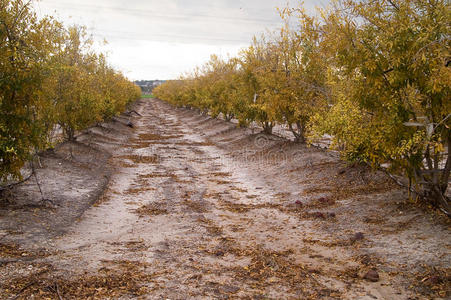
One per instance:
(148, 85)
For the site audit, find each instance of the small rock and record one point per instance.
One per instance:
(298, 203)
(357, 237)
(332, 214)
(231, 289)
(219, 253)
(372, 275)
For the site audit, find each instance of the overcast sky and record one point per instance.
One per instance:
(160, 39)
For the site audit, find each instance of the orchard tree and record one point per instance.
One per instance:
(296, 81)
(76, 103)
(391, 76)
(255, 63)
(26, 46)
(221, 85)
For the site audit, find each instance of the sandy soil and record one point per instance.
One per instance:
(195, 208)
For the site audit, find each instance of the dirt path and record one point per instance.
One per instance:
(201, 209)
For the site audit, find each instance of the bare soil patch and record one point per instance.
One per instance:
(189, 207)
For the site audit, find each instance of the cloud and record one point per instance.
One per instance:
(151, 39)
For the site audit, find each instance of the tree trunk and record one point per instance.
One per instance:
(447, 170)
(440, 187)
(267, 127)
(229, 117)
(298, 132)
(432, 181)
(70, 133)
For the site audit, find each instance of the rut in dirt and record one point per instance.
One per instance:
(199, 208)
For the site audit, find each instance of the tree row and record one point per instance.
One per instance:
(50, 80)
(373, 75)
